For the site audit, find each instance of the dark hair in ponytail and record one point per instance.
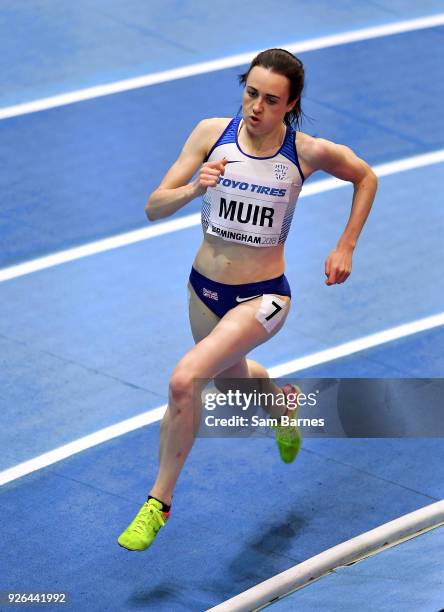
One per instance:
(285, 63)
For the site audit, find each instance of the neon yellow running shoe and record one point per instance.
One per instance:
(288, 437)
(141, 532)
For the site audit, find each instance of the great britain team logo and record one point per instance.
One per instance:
(280, 171)
(210, 294)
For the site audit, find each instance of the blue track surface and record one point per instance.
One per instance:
(90, 343)
(68, 47)
(284, 515)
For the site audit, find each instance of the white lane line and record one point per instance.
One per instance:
(312, 44)
(151, 416)
(82, 444)
(99, 246)
(167, 227)
(360, 344)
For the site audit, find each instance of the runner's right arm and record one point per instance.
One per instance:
(175, 190)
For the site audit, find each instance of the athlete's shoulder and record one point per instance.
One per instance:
(210, 131)
(312, 151)
(204, 133)
(306, 144)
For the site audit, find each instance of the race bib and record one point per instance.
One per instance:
(246, 212)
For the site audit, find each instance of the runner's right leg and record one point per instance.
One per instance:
(202, 321)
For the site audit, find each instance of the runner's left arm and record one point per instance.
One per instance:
(340, 161)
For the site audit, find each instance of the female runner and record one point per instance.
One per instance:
(251, 171)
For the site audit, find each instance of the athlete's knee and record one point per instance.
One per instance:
(181, 387)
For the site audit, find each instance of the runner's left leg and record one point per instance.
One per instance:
(233, 336)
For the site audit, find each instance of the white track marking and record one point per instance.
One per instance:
(167, 227)
(99, 246)
(312, 44)
(82, 444)
(360, 344)
(151, 416)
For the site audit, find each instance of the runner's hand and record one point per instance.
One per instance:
(208, 174)
(338, 266)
